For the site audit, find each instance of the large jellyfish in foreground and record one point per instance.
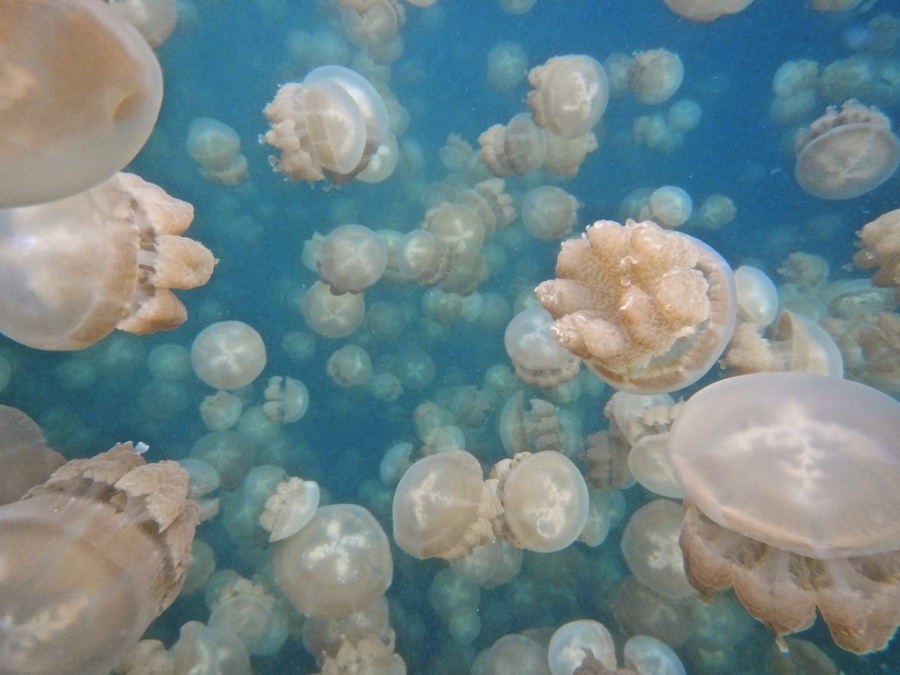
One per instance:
(648, 310)
(790, 484)
(88, 559)
(80, 90)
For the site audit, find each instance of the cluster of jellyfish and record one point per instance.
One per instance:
(509, 491)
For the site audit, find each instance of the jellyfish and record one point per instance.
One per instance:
(154, 19)
(330, 315)
(228, 355)
(846, 153)
(518, 148)
(81, 92)
(569, 96)
(789, 497)
(78, 268)
(25, 458)
(668, 206)
(649, 310)
(880, 249)
(656, 76)
(549, 212)
(544, 498)
(337, 564)
(89, 559)
(330, 124)
(706, 10)
(217, 148)
(538, 359)
(507, 66)
(443, 507)
(351, 259)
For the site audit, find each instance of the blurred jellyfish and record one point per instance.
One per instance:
(549, 212)
(649, 310)
(706, 10)
(507, 65)
(228, 355)
(78, 268)
(846, 153)
(783, 475)
(81, 97)
(89, 559)
(154, 19)
(286, 400)
(217, 148)
(25, 458)
(331, 315)
(351, 259)
(656, 76)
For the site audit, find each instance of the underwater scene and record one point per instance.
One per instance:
(449, 336)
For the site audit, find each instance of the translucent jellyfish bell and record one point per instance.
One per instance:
(790, 495)
(89, 559)
(80, 92)
(76, 269)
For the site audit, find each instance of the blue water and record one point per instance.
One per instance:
(229, 65)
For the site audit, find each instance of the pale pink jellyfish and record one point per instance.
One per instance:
(81, 96)
(228, 355)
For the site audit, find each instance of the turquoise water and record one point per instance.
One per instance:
(227, 61)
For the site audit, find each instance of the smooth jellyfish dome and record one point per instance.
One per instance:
(338, 564)
(81, 96)
(436, 503)
(545, 501)
(78, 268)
(650, 547)
(568, 643)
(507, 65)
(352, 258)
(228, 355)
(648, 656)
(25, 458)
(669, 206)
(757, 297)
(89, 559)
(570, 94)
(538, 359)
(656, 76)
(804, 463)
(330, 315)
(846, 153)
(706, 10)
(549, 212)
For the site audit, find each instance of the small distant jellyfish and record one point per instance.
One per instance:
(286, 400)
(507, 65)
(656, 76)
(669, 206)
(706, 10)
(330, 315)
(290, 508)
(228, 355)
(351, 258)
(569, 96)
(217, 148)
(539, 360)
(549, 212)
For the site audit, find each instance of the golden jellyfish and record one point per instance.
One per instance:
(228, 354)
(515, 149)
(565, 155)
(517, 6)
(669, 206)
(846, 153)
(89, 559)
(330, 315)
(286, 400)
(656, 76)
(329, 125)
(789, 497)
(120, 246)
(507, 65)
(216, 147)
(537, 357)
(544, 499)
(25, 458)
(715, 212)
(337, 564)
(350, 366)
(650, 548)
(706, 10)
(459, 226)
(549, 212)
(570, 94)
(423, 258)
(880, 242)
(443, 507)
(80, 94)
(684, 115)
(573, 640)
(154, 19)
(649, 310)
(351, 258)
(757, 297)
